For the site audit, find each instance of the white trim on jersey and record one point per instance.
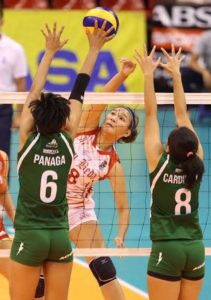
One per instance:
(157, 177)
(67, 144)
(27, 151)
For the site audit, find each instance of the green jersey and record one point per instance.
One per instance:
(43, 166)
(174, 209)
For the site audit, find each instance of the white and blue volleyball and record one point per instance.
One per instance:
(100, 14)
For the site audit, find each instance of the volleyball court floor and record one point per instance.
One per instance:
(131, 270)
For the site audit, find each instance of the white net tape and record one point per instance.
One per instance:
(115, 98)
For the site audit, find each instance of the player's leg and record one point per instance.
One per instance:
(190, 289)
(194, 270)
(58, 266)
(4, 262)
(5, 268)
(87, 234)
(57, 280)
(165, 270)
(29, 250)
(163, 289)
(23, 281)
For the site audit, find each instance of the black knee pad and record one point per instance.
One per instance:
(103, 269)
(40, 290)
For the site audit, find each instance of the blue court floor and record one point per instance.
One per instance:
(130, 269)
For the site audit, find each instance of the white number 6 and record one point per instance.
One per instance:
(45, 184)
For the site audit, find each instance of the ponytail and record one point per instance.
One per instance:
(193, 168)
(183, 146)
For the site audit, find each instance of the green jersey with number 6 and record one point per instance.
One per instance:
(174, 209)
(43, 166)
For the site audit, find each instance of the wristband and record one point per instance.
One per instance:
(79, 87)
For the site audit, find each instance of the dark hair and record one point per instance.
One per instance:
(50, 113)
(133, 127)
(183, 145)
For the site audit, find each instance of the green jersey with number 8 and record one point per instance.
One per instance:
(174, 209)
(43, 166)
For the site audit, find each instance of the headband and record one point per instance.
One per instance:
(132, 116)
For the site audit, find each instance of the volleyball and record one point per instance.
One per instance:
(100, 14)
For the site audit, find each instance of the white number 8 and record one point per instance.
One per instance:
(182, 203)
(45, 184)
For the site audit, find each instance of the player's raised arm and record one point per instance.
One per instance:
(91, 115)
(152, 141)
(172, 66)
(53, 44)
(96, 41)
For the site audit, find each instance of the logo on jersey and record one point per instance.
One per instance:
(66, 256)
(103, 165)
(20, 248)
(160, 258)
(52, 144)
(199, 267)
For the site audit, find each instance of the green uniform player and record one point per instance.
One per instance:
(43, 166)
(48, 125)
(177, 259)
(174, 217)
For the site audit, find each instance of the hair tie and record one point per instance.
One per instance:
(189, 154)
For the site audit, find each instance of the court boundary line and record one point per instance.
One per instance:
(114, 252)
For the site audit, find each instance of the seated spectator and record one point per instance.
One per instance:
(123, 4)
(197, 77)
(18, 4)
(73, 4)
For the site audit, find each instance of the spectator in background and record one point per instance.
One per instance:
(197, 77)
(39, 4)
(13, 71)
(131, 4)
(74, 4)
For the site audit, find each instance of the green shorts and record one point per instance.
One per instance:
(34, 247)
(177, 259)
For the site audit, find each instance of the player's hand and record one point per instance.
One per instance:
(119, 241)
(173, 61)
(128, 66)
(99, 36)
(53, 40)
(146, 62)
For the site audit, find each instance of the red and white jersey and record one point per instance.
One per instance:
(2, 166)
(3, 233)
(90, 165)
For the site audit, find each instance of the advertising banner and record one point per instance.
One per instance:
(24, 26)
(180, 23)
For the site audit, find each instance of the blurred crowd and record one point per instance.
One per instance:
(75, 4)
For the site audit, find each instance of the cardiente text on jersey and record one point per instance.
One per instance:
(172, 178)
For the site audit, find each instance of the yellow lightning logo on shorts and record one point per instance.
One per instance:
(20, 248)
(160, 258)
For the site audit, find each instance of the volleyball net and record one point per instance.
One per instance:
(132, 156)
